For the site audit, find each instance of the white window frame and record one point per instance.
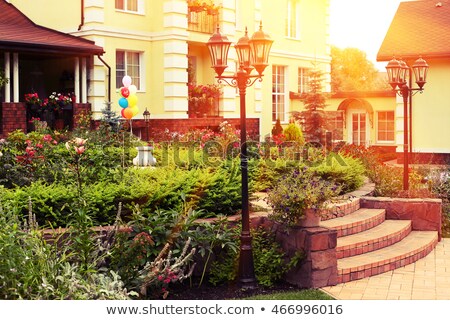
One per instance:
(303, 79)
(350, 126)
(140, 7)
(280, 96)
(293, 5)
(141, 85)
(378, 127)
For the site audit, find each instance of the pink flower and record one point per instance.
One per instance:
(79, 141)
(80, 150)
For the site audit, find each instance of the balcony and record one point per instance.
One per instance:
(203, 18)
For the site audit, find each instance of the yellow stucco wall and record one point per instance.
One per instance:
(376, 104)
(147, 32)
(431, 111)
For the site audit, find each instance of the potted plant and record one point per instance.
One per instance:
(300, 198)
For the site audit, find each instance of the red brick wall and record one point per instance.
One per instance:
(157, 126)
(13, 117)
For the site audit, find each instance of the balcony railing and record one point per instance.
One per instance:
(202, 21)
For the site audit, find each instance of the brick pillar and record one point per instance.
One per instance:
(13, 117)
(319, 266)
(80, 109)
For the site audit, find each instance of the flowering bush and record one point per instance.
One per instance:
(58, 100)
(54, 102)
(202, 97)
(32, 99)
(199, 6)
(166, 269)
(297, 191)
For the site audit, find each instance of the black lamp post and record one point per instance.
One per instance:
(146, 115)
(398, 72)
(252, 53)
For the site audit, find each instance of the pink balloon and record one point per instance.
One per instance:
(126, 81)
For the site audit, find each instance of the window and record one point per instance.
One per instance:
(386, 126)
(359, 128)
(128, 63)
(278, 93)
(292, 19)
(127, 5)
(303, 80)
(335, 124)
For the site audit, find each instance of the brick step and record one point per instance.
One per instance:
(358, 221)
(412, 248)
(383, 235)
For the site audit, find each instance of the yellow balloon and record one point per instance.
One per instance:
(132, 100)
(135, 110)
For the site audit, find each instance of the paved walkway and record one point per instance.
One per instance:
(426, 279)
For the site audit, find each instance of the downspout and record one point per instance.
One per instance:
(82, 15)
(109, 77)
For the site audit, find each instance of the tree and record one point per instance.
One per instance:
(351, 71)
(313, 117)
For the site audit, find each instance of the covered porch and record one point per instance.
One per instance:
(41, 61)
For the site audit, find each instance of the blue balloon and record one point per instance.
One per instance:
(123, 102)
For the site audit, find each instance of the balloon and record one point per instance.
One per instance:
(132, 88)
(125, 92)
(127, 113)
(123, 102)
(126, 80)
(135, 110)
(132, 100)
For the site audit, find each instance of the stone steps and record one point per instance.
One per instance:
(410, 249)
(358, 221)
(368, 244)
(383, 235)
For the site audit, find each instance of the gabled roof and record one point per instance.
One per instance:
(19, 33)
(419, 28)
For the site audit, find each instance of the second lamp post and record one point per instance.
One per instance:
(399, 72)
(252, 53)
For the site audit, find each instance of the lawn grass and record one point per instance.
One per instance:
(310, 294)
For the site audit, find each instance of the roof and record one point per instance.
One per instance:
(419, 28)
(19, 33)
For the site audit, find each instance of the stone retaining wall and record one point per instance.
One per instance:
(425, 214)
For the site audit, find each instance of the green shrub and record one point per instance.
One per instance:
(270, 261)
(346, 171)
(33, 269)
(292, 133)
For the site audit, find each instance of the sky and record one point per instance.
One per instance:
(361, 24)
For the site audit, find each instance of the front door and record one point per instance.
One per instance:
(358, 128)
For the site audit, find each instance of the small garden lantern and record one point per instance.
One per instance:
(146, 115)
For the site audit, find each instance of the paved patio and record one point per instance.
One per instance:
(426, 279)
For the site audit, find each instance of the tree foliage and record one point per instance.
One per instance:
(313, 117)
(352, 71)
